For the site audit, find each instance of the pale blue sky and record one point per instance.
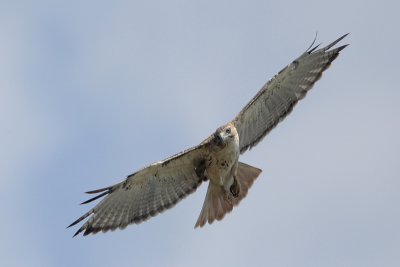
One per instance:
(91, 91)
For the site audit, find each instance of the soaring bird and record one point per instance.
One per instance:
(162, 184)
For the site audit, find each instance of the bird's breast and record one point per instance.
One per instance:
(222, 164)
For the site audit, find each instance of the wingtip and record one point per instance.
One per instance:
(312, 48)
(336, 41)
(81, 219)
(83, 229)
(343, 36)
(94, 198)
(342, 47)
(77, 232)
(99, 190)
(74, 223)
(313, 42)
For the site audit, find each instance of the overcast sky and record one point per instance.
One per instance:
(91, 91)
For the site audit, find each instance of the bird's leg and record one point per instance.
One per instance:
(235, 188)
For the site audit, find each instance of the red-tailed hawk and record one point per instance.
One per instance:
(161, 185)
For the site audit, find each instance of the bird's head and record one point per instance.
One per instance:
(225, 135)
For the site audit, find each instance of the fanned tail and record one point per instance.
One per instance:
(218, 202)
(246, 175)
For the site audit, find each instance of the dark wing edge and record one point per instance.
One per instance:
(156, 201)
(104, 191)
(251, 134)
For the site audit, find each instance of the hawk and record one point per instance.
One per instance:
(161, 185)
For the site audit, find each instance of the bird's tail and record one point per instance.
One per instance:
(218, 202)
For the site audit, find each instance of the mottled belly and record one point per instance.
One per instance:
(221, 169)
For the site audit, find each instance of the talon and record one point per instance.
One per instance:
(235, 188)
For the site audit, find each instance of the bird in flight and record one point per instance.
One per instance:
(161, 185)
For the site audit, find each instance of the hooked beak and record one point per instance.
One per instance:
(218, 139)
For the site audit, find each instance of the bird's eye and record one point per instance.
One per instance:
(228, 130)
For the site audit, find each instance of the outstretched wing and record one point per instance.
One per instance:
(146, 193)
(278, 96)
